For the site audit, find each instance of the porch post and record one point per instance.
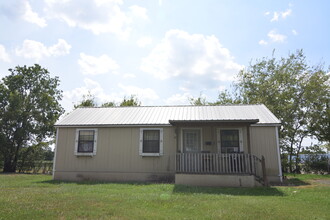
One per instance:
(248, 138)
(263, 166)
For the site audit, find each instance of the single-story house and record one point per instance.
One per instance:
(227, 145)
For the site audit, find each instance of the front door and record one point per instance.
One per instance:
(191, 140)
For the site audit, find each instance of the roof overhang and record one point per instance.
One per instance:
(252, 122)
(109, 125)
(180, 122)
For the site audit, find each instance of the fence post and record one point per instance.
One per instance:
(263, 167)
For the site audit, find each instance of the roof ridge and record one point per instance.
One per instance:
(154, 106)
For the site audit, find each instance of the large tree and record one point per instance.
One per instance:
(29, 107)
(297, 93)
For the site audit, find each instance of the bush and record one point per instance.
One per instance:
(315, 163)
(35, 166)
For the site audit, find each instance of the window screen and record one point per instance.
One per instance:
(229, 141)
(86, 141)
(151, 140)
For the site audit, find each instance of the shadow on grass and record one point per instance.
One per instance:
(295, 182)
(255, 191)
(91, 182)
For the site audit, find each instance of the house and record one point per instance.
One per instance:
(229, 145)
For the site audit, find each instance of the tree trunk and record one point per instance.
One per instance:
(290, 158)
(298, 153)
(10, 162)
(9, 166)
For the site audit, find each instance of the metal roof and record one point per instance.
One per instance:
(163, 115)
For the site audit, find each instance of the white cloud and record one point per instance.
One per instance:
(178, 99)
(144, 41)
(286, 13)
(98, 16)
(281, 14)
(294, 32)
(3, 54)
(32, 17)
(91, 65)
(60, 49)
(188, 57)
(129, 76)
(275, 37)
(267, 13)
(263, 42)
(275, 16)
(145, 95)
(36, 50)
(138, 11)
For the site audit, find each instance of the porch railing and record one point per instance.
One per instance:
(213, 163)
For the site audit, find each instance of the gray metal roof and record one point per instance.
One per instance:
(162, 115)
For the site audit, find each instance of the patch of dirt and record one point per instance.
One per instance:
(305, 186)
(322, 181)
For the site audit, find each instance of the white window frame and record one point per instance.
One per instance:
(160, 142)
(192, 128)
(240, 136)
(77, 141)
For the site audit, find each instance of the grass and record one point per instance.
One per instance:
(38, 197)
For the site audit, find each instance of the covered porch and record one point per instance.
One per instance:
(216, 169)
(217, 153)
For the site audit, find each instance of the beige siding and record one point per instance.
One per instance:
(264, 143)
(117, 152)
(117, 157)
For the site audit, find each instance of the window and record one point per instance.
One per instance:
(86, 140)
(191, 140)
(230, 140)
(151, 141)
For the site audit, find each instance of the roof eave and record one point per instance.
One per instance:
(250, 121)
(109, 125)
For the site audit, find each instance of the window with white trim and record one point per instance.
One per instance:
(230, 140)
(86, 142)
(151, 142)
(191, 140)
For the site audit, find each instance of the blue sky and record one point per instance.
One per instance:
(162, 51)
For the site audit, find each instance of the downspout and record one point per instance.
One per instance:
(278, 154)
(55, 152)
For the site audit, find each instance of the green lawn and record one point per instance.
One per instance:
(38, 197)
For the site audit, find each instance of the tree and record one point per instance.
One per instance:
(226, 98)
(87, 101)
(132, 101)
(31, 156)
(201, 100)
(298, 94)
(29, 107)
(108, 104)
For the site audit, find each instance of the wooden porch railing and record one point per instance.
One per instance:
(213, 163)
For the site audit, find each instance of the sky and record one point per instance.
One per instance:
(162, 51)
